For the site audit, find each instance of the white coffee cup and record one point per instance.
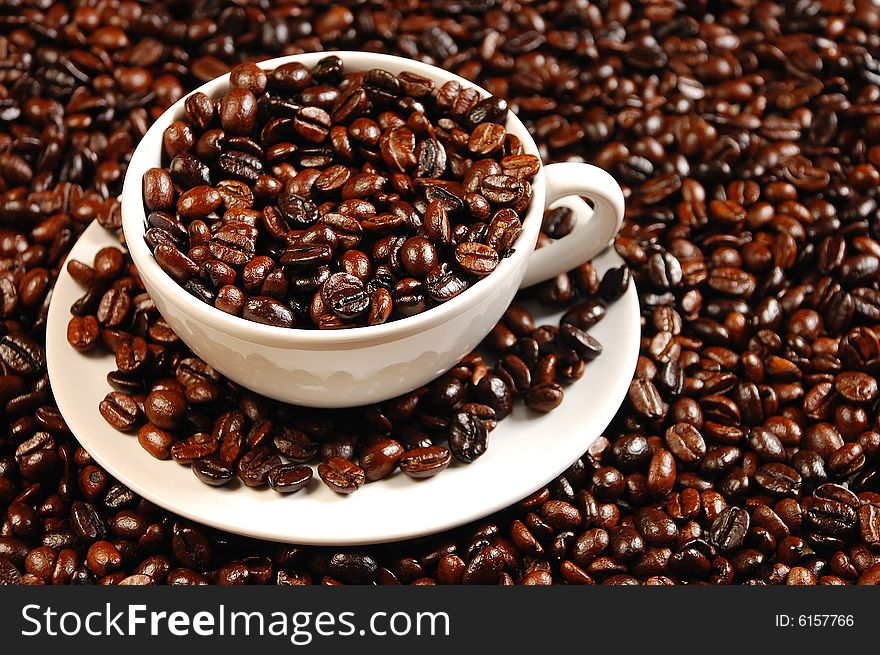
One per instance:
(362, 365)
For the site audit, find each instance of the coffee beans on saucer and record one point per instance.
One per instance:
(182, 410)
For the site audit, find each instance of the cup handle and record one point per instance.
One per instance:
(589, 237)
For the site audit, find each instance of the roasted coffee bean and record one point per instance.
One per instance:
(544, 397)
(22, 355)
(156, 441)
(380, 458)
(120, 411)
(165, 408)
(443, 283)
(494, 392)
(341, 475)
(869, 524)
(418, 256)
(467, 437)
(646, 399)
(191, 548)
(425, 462)
(83, 332)
(213, 471)
(295, 444)
(288, 478)
(586, 347)
(661, 473)
(195, 446)
(834, 510)
(729, 529)
(198, 202)
(353, 568)
(238, 111)
(685, 443)
(779, 479)
(856, 387)
(585, 315)
(103, 557)
(614, 283)
(268, 311)
(158, 190)
(348, 301)
(255, 465)
(174, 262)
(87, 522)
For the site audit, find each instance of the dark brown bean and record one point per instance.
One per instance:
(288, 478)
(341, 475)
(425, 462)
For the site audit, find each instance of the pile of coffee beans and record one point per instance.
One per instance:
(180, 407)
(322, 198)
(747, 139)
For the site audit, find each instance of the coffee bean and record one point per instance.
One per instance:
(288, 478)
(213, 471)
(158, 190)
(467, 437)
(418, 256)
(238, 110)
(165, 408)
(544, 397)
(586, 347)
(685, 443)
(486, 138)
(177, 264)
(834, 510)
(22, 355)
(156, 441)
(341, 475)
(425, 462)
(443, 283)
(380, 459)
(198, 202)
(645, 399)
(120, 411)
(83, 332)
(869, 524)
(856, 387)
(431, 158)
(103, 558)
(268, 311)
(729, 529)
(614, 283)
(585, 315)
(192, 548)
(353, 568)
(661, 473)
(778, 479)
(493, 391)
(255, 465)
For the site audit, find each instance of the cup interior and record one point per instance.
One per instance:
(148, 154)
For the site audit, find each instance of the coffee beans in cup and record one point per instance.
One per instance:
(319, 198)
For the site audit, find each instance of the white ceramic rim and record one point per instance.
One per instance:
(148, 155)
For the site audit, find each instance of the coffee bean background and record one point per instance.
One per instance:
(747, 138)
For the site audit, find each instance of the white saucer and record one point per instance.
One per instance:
(526, 450)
